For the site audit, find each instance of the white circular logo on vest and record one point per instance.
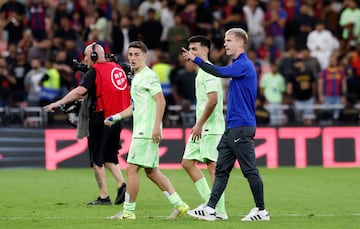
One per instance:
(118, 78)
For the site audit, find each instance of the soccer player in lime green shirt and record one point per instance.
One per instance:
(209, 126)
(148, 106)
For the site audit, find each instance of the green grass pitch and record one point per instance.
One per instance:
(314, 197)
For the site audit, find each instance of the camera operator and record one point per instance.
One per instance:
(105, 91)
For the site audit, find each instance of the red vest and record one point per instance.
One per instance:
(112, 89)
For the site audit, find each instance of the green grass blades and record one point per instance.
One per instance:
(296, 198)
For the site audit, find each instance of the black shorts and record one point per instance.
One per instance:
(104, 143)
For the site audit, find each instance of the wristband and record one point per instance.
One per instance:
(115, 118)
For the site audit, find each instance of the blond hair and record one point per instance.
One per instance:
(239, 32)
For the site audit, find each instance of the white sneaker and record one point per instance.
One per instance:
(255, 215)
(202, 212)
(222, 216)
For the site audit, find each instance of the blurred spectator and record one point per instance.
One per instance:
(286, 60)
(60, 12)
(353, 64)
(50, 83)
(301, 86)
(275, 19)
(78, 22)
(332, 86)
(177, 38)
(14, 27)
(262, 114)
(227, 8)
(204, 19)
(9, 7)
(311, 63)
(189, 14)
(106, 7)
(329, 12)
(32, 82)
(6, 83)
(292, 8)
(184, 86)
(217, 34)
(235, 19)
(257, 64)
(302, 25)
(349, 115)
(322, 44)
(26, 42)
(11, 55)
(36, 48)
(19, 71)
(163, 69)
(63, 63)
(167, 19)
(178, 66)
(150, 31)
(254, 16)
(268, 51)
(37, 14)
(72, 51)
(124, 6)
(116, 35)
(100, 24)
(143, 9)
(12, 14)
(350, 23)
(129, 33)
(64, 31)
(272, 87)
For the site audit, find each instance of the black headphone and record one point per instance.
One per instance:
(93, 55)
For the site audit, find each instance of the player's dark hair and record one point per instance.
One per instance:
(139, 45)
(204, 41)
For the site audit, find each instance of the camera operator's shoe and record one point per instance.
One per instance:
(101, 201)
(120, 198)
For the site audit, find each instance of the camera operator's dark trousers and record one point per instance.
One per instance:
(103, 142)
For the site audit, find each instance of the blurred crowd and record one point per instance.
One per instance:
(306, 52)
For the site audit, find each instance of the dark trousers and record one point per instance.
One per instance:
(104, 142)
(237, 144)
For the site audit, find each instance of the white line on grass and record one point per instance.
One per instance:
(164, 217)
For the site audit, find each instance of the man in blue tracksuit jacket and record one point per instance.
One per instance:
(237, 143)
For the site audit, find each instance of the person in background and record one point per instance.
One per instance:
(332, 86)
(32, 82)
(322, 44)
(237, 143)
(272, 86)
(262, 114)
(148, 106)
(19, 70)
(105, 91)
(254, 16)
(6, 81)
(209, 126)
(349, 115)
(301, 87)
